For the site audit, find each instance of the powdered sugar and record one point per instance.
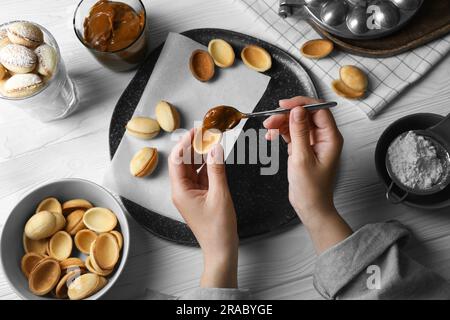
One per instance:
(20, 82)
(47, 59)
(3, 33)
(27, 31)
(18, 56)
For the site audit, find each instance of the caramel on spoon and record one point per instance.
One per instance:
(225, 118)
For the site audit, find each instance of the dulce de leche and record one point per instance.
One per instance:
(112, 26)
(222, 118)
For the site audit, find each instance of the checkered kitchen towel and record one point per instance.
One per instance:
(388, 76)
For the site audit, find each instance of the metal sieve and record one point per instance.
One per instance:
(439, 136)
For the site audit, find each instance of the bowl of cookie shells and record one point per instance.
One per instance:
(67, 239)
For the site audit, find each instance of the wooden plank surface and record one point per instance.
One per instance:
(278, 266)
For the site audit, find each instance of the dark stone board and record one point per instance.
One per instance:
(261, 202)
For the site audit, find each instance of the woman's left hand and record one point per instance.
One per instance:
(204, 201)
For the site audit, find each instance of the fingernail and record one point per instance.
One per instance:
(212, 152)
(217, 154)
(297, 114)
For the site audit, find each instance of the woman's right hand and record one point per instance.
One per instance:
(314, 147)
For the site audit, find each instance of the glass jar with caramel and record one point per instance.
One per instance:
(113, 31)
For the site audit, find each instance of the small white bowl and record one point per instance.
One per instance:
(65, 189)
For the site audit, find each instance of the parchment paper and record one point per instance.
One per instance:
(172, 81)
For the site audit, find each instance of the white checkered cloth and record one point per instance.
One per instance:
(388, 76)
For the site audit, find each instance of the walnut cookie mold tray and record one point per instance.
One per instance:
(261, 202)
(431, 22)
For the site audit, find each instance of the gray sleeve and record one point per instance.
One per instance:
(203, 294)
(370, 265)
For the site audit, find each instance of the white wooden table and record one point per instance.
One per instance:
(279, 266)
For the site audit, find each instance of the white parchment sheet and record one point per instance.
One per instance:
(172, 81)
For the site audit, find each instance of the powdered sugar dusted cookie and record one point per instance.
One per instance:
(25, 33)
(3, 72)
(17, 58)
(47, 59)
(22, 85)
(4, 40)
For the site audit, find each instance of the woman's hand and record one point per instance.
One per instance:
(314, 147)
(204, 201)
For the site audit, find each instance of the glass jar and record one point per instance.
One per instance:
(123, 59)
(58, 96)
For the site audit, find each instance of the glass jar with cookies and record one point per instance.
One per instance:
(33, 76)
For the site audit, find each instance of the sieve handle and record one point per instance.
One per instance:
(389, 195)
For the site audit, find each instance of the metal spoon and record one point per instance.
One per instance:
(310, 107)
(225, 117)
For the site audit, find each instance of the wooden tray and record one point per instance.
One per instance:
(431, 22)
(261, 202)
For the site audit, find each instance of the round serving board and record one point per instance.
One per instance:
(261, 202)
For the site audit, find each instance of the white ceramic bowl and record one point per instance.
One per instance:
(65, 189)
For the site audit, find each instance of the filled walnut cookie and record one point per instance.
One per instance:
(3, 72)
(144, 128)
(47, 60)
(22, 85)
(17, 58)
(40, 226)
(4, 40)
(25, 34)
(144, 162)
